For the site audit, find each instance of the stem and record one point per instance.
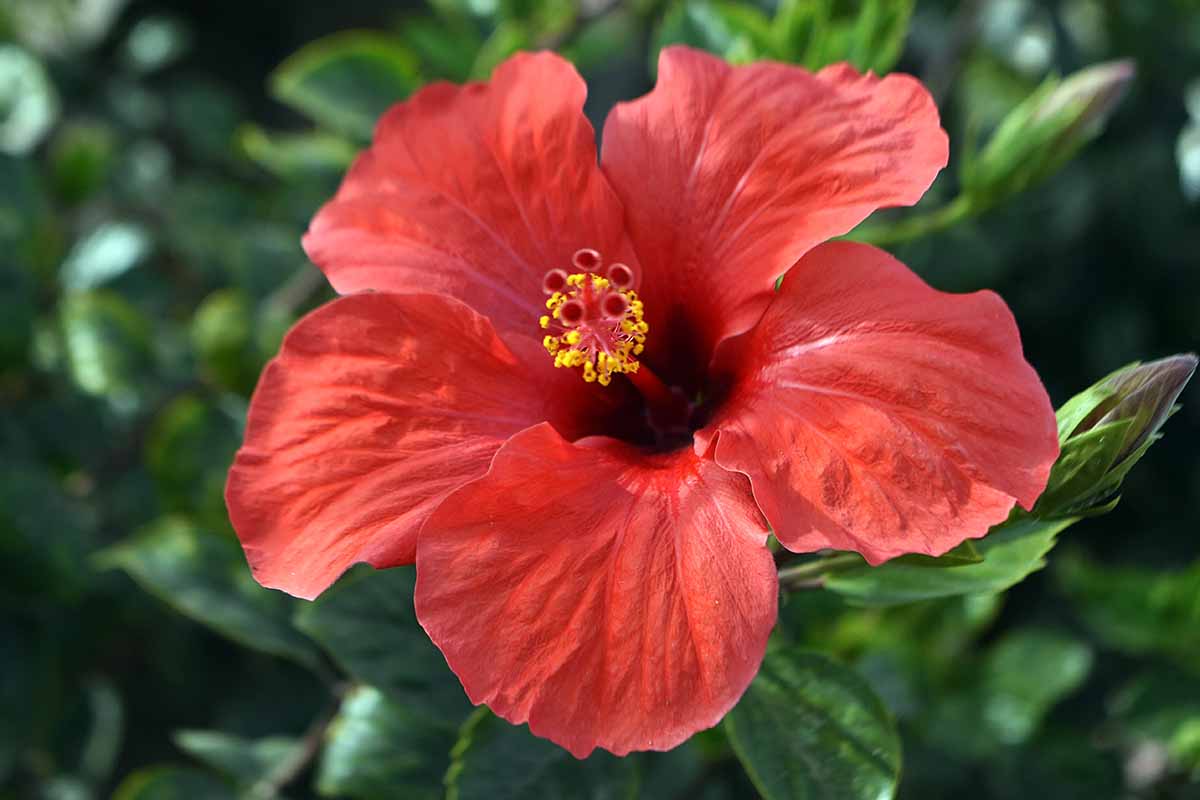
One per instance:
(811, 575)
(914, 227)
(290, 769)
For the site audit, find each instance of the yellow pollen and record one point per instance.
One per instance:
(600, 346)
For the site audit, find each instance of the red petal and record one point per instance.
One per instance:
(730, 174)
(873, 413)
(607, 597)
(474, 191)
(376, 408)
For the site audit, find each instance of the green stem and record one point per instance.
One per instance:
(812, 574)
(914, 227)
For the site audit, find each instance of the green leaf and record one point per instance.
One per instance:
(172, 783)
(17, 303)
(736, 32)
(817, 33)
(155, 43)
(204, 576)
(222, 334)
(965, 553)
(494, 760)
(367, 624)
(82, 157)
(107, 344)
(1138, 610)
(292, 156)
(28, 102)
(878, 34)
(1156, 702)
(604, 39)
(508, 37)
(374, 748)
(1011, 552)
(246, 761)
(188, 450)
(447, 47)
(346, 81)
(1025, 674)
(809, 728)
(106, 253)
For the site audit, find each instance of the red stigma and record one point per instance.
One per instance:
(555, 281)
(621, 276)
(586, 260)
(614, 306)
(571, 312)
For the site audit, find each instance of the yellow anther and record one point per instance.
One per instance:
(596, 345)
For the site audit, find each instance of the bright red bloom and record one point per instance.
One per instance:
(591, 559)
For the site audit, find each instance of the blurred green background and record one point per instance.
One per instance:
(157, 168)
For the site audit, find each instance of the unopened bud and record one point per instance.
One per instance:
(1143, 393)
(1046, 130)
(1106, 429)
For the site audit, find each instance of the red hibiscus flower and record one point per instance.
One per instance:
(569, 390)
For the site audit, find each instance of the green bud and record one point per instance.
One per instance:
(1106, 429)
(1045, 131)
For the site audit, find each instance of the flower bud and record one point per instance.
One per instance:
(1046, 130)
(1143, 393)
(1106, 429)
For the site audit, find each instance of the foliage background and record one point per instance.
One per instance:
(156, 172)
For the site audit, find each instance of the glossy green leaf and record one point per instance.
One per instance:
(346, 81)
(246, 761)
(375, 748)
(173, 783)
(965, 553)
(366, 622)
(494, 760)
(1010, 552)
(204, 576)
(809, 728)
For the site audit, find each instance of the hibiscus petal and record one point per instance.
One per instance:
(607, 597)
(474, 191)
(874, 413)
(730, 174)
(376, 408)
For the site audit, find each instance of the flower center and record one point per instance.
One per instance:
(595, 322)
